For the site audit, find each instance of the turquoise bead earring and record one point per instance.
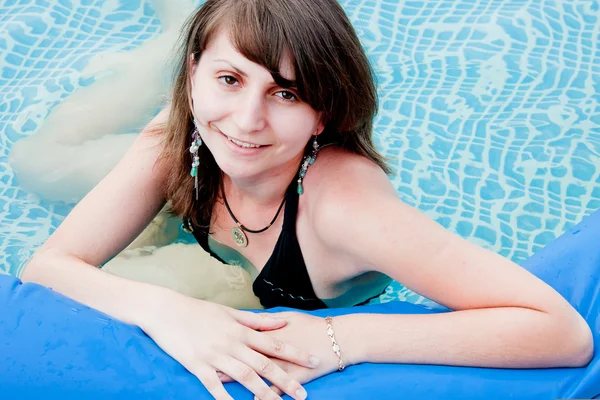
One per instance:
(196, 143)
(308, 160)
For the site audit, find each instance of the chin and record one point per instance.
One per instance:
(237, 169)
(238, 172)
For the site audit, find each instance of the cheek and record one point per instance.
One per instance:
(295, 126)
(208, 103)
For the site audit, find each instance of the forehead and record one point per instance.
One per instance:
(221, 47)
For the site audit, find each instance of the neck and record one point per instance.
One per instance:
(264, 191)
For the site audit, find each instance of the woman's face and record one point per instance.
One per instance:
(251, 125)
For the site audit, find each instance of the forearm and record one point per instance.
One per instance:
(498, 338)
(126, 300)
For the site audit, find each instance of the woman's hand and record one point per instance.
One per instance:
(310, 333)
(210, 341)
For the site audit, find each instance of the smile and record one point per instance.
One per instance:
(243, 144)
(239, 143)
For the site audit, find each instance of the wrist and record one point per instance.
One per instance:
(347, 333)
(148, 302)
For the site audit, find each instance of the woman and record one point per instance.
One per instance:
(265, 152)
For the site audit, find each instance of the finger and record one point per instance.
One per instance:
(224, 378)
(245, 375)
(209, 378)
(279, 315)
(284, 365)
(276, 390)
(258, 322)
(274, 347)
(272, 372)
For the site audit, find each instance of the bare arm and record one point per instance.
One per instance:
(109, 217)
(505, 316)
(499, 337)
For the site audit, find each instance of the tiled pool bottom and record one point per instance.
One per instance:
(488, 111)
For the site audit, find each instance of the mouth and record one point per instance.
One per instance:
(241, 144)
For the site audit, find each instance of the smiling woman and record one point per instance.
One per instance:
(266, 128)
(272, 110)
(250, 66)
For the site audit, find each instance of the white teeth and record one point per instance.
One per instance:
(243, 144)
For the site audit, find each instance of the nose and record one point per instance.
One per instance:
(250, 112)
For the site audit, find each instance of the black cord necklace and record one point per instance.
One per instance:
(239, 237)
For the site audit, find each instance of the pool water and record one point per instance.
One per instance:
(489, 110)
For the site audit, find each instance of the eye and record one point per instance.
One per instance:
(228, 80)
(287, 95)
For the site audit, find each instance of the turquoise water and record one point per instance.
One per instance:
(489, 110)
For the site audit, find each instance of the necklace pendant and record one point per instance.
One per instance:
(239, 237)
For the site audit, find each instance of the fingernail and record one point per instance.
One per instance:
(314, 361)
(301, 394)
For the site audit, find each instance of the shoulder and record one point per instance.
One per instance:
(340, 188)
(334, 160)
(339, 175)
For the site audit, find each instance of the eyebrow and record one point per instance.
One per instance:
(237, 70)
(242, 73)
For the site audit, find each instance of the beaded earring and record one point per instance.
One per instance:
(308, 160)
(196, 143)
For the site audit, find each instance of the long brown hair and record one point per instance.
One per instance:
(332, 73)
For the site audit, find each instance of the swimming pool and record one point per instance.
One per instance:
(489, 110)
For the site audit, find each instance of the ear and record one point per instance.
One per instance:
(192, 68)
(321, 124)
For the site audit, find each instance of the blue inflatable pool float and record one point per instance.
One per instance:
(55, 348)
(490, 112)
